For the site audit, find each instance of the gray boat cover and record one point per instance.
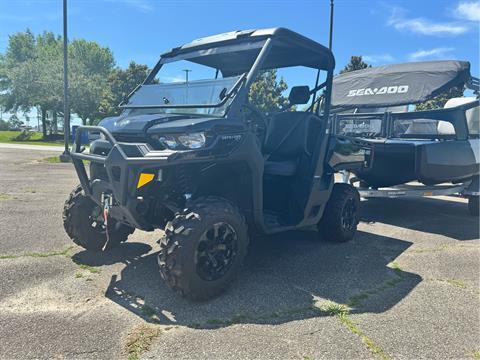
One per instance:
(398, 84)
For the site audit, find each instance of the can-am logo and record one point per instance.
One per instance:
(401, 89)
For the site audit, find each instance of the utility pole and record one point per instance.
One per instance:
(330, 36)
(186, 74)
(331, 26)
(65, 157)
(186, 83)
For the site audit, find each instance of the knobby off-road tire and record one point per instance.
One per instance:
(340, 218)
(81, 220)
(203, 248)
(473, 205)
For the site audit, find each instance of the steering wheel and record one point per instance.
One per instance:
(256, 121)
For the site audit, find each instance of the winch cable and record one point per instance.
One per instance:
(106, 206)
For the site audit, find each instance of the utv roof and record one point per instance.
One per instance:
(399, 84)
(234, 52)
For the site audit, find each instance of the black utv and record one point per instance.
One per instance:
(199, 160)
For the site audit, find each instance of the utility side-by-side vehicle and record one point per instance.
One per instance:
(201, 161)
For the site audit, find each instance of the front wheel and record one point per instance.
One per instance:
(340, 217)
(83, 222)
(203, 248)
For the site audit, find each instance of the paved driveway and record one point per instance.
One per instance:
(406, 287)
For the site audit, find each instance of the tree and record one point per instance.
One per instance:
(266, 93)
(31, 74)
(15, 68)
(439, 101)
(48, 95)
(120, 84)
(3, 125)
(14, 122)
(91, 65)
(356, 63)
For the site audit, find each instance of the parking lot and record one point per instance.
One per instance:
(406, 287)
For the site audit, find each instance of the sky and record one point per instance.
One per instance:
(381, 31)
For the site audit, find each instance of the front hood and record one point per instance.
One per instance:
(140, 125)
(135, 124)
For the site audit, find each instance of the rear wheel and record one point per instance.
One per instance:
(83, 222)
(340, 217)
(473, 205)
(203, 248)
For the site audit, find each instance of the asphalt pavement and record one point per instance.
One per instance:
(407, 286)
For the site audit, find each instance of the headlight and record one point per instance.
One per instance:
(184, 141)
(169, 141)
(192, 141)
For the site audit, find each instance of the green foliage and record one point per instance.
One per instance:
(266, 92)
(52, 160)
(4, 196)
(140, 339)
(334, 308)
(14, 123)
(3, 125)
(439, 101)
(89, 268)
(356, 63)
(23, 136)
(15, 68)
(31, 74)
(89, 70)
(35, 138)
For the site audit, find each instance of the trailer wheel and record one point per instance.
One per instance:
(203, 248)
(340, 217)
(82, 220)
(473, 205)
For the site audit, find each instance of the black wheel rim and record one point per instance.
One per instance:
(349, 215)
(216, 251)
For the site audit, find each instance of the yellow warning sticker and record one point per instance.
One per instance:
(144, 179)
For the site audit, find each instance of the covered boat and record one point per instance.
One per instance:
(434, 146)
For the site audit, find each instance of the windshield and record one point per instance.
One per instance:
(201, 97)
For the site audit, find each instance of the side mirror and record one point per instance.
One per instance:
(299, 95)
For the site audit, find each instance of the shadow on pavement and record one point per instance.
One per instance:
(284, 276)
(429, 215)
(126, 253)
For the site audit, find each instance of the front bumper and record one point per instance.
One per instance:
(123, 165)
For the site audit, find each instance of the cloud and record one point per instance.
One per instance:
(141, 5)
(435, 53)
(468, 10)
(424, 26)
(378, 58)
(169, 79)
(16, 18)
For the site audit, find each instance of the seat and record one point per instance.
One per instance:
(285, 142)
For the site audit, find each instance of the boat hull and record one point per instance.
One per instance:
(430, 162)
